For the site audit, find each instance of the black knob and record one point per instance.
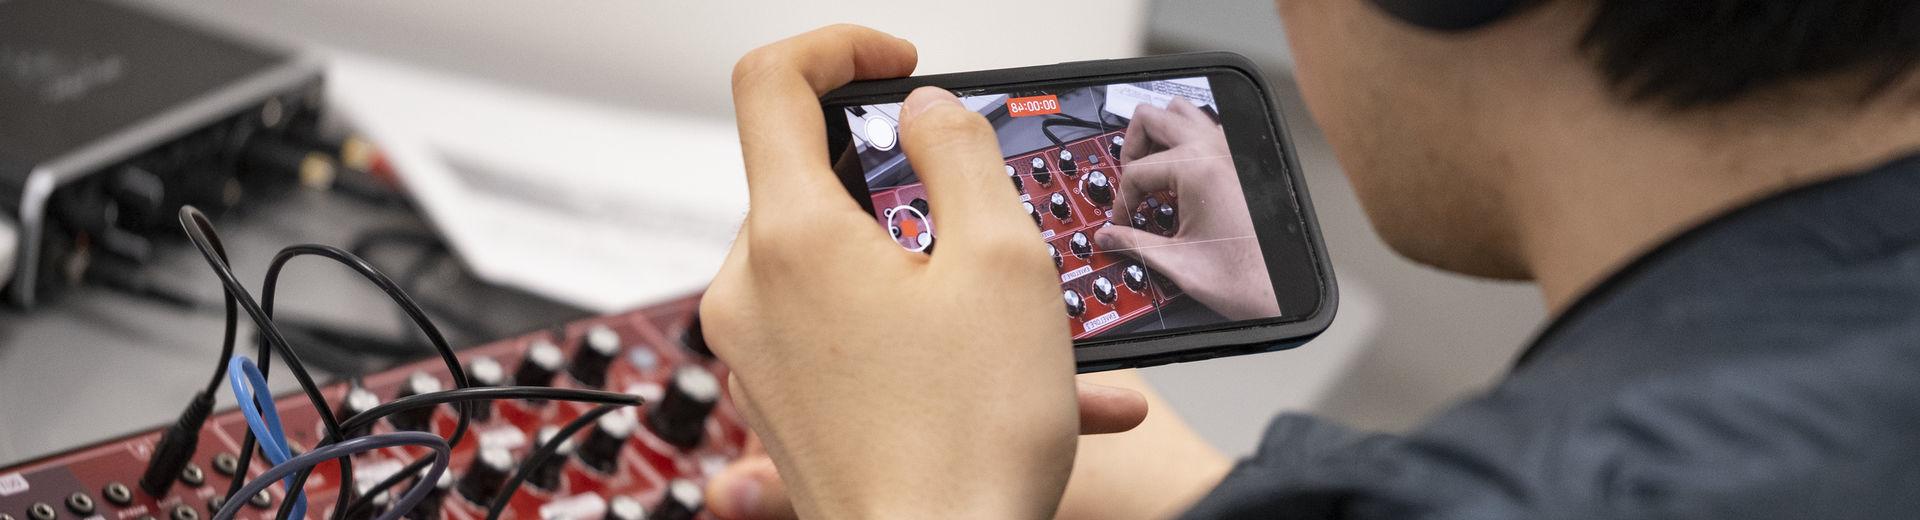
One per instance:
(1033, 212)
(1113, 146)
(625, 508)
(595, 354)
(357, 401)
(920, 205)
(1055, 253)
(1057, 203)
(1103, 290)
(374, 506)
(1079, 245)
(1139, 221)
(1014, 175)
(543, 360)
(1099, 188)
(484, 478)
(680, 418)
(694, 338)
(1040, 173)
(1165, 218)
(417, 419)
(601, 451)
(484, 372)
(1066, 163)
(682, 501)
(1075, 305)
(429, 507)
(547, 475)
(1135, 277)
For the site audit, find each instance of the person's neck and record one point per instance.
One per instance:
(1602, 190)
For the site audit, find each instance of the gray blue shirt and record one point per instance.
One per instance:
(1764, 365)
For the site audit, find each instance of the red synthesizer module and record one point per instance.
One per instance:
(1069, 190)
(643, 462)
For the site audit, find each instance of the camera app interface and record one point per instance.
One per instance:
(1131, 186)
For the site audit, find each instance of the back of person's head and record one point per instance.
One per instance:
(1437, 122)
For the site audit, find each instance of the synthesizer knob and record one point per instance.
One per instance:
(680, 418)
(547, 475)
(1099, 188)
(1066, 162)
(1055, 253)
(920, 205)
(417, 419)
(1033, 212)
(1080, 246)
(1139, 221)
(625, 508)
(542, 362)
(357, 401)
(1075, 305)
(374, 506)
(1135, 277)
(429, 508)
(484, 372)
(1014, 175)
(1164, 217)
(1103, 290)
(596, 353)
(682, 501)
(1057, 203)
(601, 451)
(1040, 173)
(1113, 146)
(694, 338)
(484, 478)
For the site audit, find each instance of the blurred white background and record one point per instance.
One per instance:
(517, 82)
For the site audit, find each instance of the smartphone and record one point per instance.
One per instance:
(1165, 188)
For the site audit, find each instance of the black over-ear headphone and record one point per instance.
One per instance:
(1449, 15)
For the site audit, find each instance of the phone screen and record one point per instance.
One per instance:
(1132, 186)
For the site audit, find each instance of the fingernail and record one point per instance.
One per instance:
(926, 97)
(744, 494)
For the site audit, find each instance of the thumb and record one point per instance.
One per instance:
(956, 154)
(749, 489)
(1136, 243)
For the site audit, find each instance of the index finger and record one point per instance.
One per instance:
(1146, 175)
(776, 99)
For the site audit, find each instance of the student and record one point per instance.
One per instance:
(1720, 201)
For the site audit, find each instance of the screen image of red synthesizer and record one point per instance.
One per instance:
(1101, 171)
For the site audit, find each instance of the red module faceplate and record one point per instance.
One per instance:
(1080, 260)
(648, 355)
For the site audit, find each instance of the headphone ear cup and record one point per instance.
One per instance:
(1449, 15)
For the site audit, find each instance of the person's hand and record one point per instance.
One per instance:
(885, 383)
(1154, 470)
(1213, 254)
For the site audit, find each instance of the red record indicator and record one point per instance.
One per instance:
(910, 226)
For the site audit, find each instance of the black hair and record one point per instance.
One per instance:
(1696, 53)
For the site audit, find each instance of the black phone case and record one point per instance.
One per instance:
(1099, 356)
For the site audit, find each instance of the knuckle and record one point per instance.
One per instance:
(759, 63)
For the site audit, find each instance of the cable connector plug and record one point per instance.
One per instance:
(176, 447)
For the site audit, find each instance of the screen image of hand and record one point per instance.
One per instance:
(882, 382)
(1213, 254)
